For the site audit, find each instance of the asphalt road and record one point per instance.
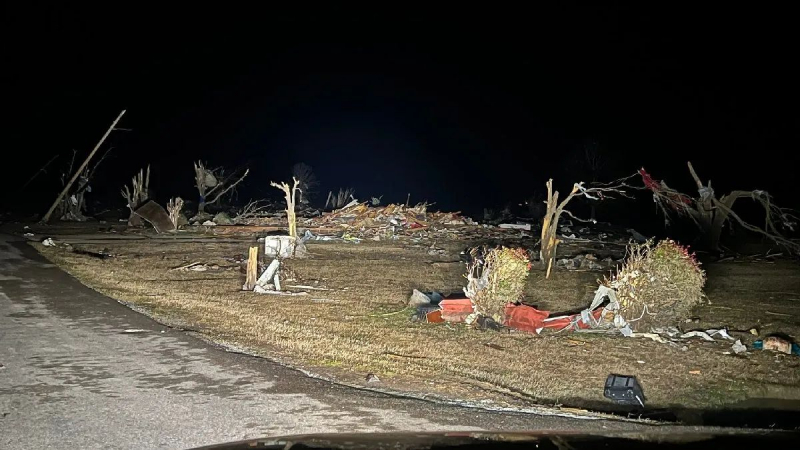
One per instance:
(71, 376)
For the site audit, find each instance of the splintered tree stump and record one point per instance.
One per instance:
(252, 269)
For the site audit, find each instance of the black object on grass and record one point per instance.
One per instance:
(624, 389)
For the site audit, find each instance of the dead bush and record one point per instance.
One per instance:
(657, 285)
(496, 277)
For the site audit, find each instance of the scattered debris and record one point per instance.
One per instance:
(157, 216)
(456, 310)
(777, 344)
(283, 247)
(222, 218)
(372, 378)
(494, 346)
(28, 235)
(208, 223)
(388, 220)
(738, 347)
(694, 372)
(583, 262)
(135, 330)
(103, 254)
(418, 298)
(624, 389)
(49, 242)
(186, 266)
(515, 226)
(707, 335)
(270, 278)
(197, 267)
(260, 290)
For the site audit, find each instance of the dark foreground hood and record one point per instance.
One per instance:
(659, 437)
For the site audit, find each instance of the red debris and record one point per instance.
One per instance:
(434, 316)
(456, 309)
(525, 318)
(528, 318)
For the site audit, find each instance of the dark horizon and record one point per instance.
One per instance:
(465, 111)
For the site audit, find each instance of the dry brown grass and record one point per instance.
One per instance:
(352, 329)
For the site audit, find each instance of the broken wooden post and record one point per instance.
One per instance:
(80, 169)
(252, 269)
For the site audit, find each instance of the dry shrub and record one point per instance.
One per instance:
(658, 285)
(496, 277)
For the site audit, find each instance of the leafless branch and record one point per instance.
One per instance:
(252, 210)
(710, 213)
(228, 187)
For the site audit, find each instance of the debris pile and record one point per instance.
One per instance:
(433, 307)
(585, 262)
(269, 282)
(387, 220)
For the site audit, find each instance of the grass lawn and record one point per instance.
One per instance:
(354, 323)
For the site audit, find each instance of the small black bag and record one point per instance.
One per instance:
(624, 389)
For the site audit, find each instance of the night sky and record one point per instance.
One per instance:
(468, 109)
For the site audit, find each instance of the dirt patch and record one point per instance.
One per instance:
(354, 323)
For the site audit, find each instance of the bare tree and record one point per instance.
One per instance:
(589, 163)
(72, 206)
(174, 207)
(336, 201)
(308, 181)
(212, 184)
(596, 192)
(710, 214)
(254, 209)
(140, 183)
(291, 195)
(82, 172)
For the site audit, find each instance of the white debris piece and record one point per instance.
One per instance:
(49, 242)
(28, 235)
(279, 246)
(516, 226)
(701, 334)
(738, 347)
(269, 282)
(722, 332)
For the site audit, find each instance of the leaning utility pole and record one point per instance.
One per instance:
(80, 169)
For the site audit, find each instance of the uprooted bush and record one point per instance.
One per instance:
(657, 285)
(496, 276)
